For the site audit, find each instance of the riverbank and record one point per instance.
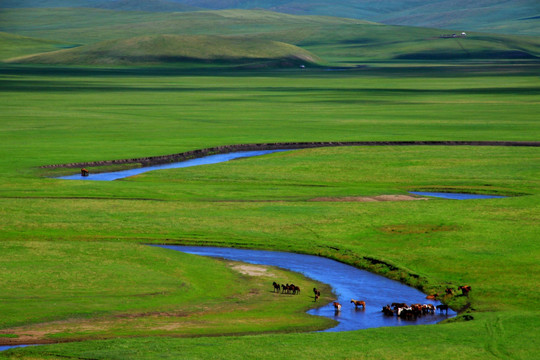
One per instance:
(194, 154)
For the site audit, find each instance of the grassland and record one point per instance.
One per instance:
(94, 114)
(72, 252)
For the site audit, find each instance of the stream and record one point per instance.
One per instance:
(347, 283)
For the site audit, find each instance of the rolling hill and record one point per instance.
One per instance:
(337, 41)
(499, 16)
(177, 49)
(129, 5)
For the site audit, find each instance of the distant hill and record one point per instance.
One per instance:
(86, 25)
(502, 16)
(337, 41)
(144, 5)
(127, 5)
(167, 49)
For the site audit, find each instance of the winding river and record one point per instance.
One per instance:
(347, 283)
(207, 160)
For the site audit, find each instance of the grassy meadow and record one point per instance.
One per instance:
(77, 245)
(78, 273)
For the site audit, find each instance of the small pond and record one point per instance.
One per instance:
(456, 196)
(347, 283)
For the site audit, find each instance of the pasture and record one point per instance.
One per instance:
(72, 257)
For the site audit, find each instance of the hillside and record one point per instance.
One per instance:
(499, 16)
(176, 49)
(130, 5)
(337, 41)
(502, 16)
(16, 45)
(86, 26)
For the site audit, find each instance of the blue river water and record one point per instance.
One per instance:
(7, 347)
(456, 196)
(207, 160)
(346, 281)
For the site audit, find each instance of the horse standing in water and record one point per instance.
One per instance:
(359, 303)
(337, 306)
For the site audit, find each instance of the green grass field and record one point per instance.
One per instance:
(76, 268)
(84, 237)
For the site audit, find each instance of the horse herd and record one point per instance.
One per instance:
(286, 288)
(401, 310)
(413, 311)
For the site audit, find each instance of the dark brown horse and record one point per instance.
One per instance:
(84, 172)
(387, 310)
(443, 307)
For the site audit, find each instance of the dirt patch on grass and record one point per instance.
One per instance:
(370, 198)
(251, 270)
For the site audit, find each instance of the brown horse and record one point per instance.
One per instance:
(337, 306)
(428, 308)
(465, 290)
(84, 172)
(358, 303)
(432, 297)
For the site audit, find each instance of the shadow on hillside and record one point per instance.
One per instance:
(385, 69)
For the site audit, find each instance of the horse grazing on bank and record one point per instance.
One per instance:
(432, 297)
(337, 306)
(317, 294)
(277, 288)
(358, 303)
(465, 290)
